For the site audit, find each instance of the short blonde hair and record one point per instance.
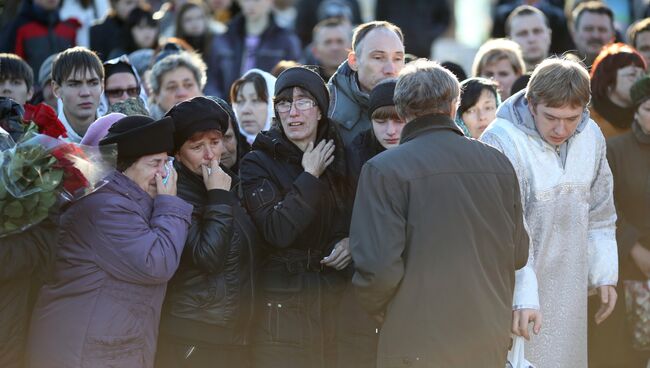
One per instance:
(558, 82)
(495, 50)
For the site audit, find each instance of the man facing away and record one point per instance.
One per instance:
(566, 183)
(437, 233)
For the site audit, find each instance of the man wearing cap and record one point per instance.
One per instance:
(118, 247)
(377, 54)
(437, 233)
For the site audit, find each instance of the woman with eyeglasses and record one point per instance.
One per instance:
(117, 248)
(296, 191)
(121, 82)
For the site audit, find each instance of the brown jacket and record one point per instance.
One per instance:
(609, 130)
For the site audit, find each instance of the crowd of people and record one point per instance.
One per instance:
(293, 187)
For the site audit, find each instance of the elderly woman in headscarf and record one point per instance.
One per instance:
(117, 248)
(296, 190)
(209, 304)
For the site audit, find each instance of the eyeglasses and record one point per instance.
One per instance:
(301, 104)
(119, 92)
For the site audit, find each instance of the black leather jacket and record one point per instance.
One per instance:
(212, 291)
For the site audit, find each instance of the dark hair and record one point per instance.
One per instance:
(13, 66)
(520, 83)
(456, 69)
(612, 58)
(595, 7)
(470, 92)
(362, 30)
(636, 28)
(142, 15)
(385, 112)
(259, 83)
(73, 60)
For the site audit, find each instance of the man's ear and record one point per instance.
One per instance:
(30, 94)
(352, 60)
(56, 89)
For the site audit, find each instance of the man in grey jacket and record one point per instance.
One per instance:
(437, 234)
(377, 54)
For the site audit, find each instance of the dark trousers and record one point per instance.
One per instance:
(357, 334)
(175, 352)
(296, 317)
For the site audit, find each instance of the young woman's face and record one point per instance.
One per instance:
(625, 78)
(251, 110)
(479, 116)
(503, 73)
(144, 35)
(194, 22)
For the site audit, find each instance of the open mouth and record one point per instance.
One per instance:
(295, 124)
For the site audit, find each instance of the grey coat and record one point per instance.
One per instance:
(117, 249)
(437, 233)
(348, 104)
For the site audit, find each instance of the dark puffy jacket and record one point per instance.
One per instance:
(37, 34)
(292, 209)
(210, 297)
(25, 258)
(226, 57)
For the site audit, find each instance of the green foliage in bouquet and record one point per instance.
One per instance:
(28, 184)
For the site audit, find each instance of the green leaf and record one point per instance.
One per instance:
(13, 210)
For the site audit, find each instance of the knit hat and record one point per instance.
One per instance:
(381, 95)
(98, 129)
(45, 71)
(308, 80)
(138, 136)
(640, 91)
(197, 115)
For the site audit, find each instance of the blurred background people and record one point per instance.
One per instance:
(500, 60)
(529, 27)
(252, 101)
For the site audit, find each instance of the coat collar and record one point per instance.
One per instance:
(428, 123)
(640, 136)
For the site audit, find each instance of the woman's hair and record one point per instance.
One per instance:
(612, 58)
(259, 84)
(495, 50)
(142, 15)
(186, 59)
(470, 92)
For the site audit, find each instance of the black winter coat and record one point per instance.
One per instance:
(210, 298)
(291, 208)
(24, 261)
(363, 147)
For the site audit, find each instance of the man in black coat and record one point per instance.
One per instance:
(437, 233)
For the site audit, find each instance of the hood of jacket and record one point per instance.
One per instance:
(516, 110)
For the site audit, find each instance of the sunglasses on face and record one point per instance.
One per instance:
(119, 92)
